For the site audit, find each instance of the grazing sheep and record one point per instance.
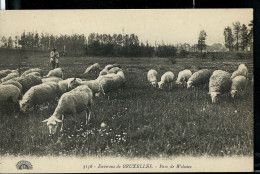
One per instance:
(64, 84)
(76, 101)
(57, 72)
(10, 76)
(183, 77)
(9, 93)
(39, 94)
(199, 78)
(152, 77)
(94, 85)
(219, 83)
(111, 82)
(28, 81)
(93, 68)
(167, 78)
(241, 71)
(4, 73)
(238, 84)
(33, 70)
(13, 82)
(114, 70)
(51, 79)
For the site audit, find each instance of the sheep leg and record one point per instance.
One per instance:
(87, 113)
(62, 118)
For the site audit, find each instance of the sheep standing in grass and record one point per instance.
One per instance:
(111, 82)
(9, 93)
(64, 84)
(94, 85)
(152, 77)
(93, 68)
(10, 76)
(13, 82)
(241, 71)
(76, 101)
(51, 79)
(238, 84)
(219, 83)
(28, 81)
(199, 78)
(183, 77)
(57, 72)
(39, 94)
(4, 73)
(167, 78)
(33, 70)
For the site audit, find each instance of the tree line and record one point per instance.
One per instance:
(240, 37)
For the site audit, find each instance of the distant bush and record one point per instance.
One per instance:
(166, 51)
(183, 53)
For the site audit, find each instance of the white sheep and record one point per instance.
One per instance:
(93, 68)
(167, 78)
(4, 73)
(219, 83)
(10, 76)
(9, 93)
(51, 79)
(39, 94)
(57, 72)
(241, 71)
(111, 82)
(183, 77)
(13, 82)
(28, 81)
(152, 77)
(76, 101)
(199, 78)
(238, 84)
(64, 84)
(33, 70)
(94, 85)
(121, 74)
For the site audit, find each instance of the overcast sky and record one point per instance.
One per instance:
(171, 25)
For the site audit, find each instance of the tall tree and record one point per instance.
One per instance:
(250, 34)
(237, 29)
(244, 37)
(4, 42)
(202, 40)
(229, 38)
(10, 43)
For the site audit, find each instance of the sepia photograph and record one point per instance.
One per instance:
(126, 90)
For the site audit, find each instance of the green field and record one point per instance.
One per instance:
(142, 121)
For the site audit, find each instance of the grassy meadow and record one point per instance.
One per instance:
(142, 121)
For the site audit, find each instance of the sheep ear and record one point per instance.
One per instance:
(58, 120)
(46, 120)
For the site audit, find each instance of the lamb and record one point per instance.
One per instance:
(4, 73)
(33, 70)
(93, 68)
(94, 85)
(183, 77)
(28, 81)
(76, 101)
(51, 79)
(167, 78)
(152, 77)
(219, 83)
(64, 84)
(9, 92)
(199, 78)
(10, 76)
(238, 84)
(241, 71)
(57, 72)
(39, 94)
(13, 82)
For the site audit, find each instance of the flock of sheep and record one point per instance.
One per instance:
(219, 81)
(31, 89)
(75, 95)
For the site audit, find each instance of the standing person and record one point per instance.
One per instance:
(54, 58)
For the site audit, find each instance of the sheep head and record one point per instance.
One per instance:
(214, 96)
(233, 93)
(160, 85)
(52, 124)
(73, 84)
(189, 84)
